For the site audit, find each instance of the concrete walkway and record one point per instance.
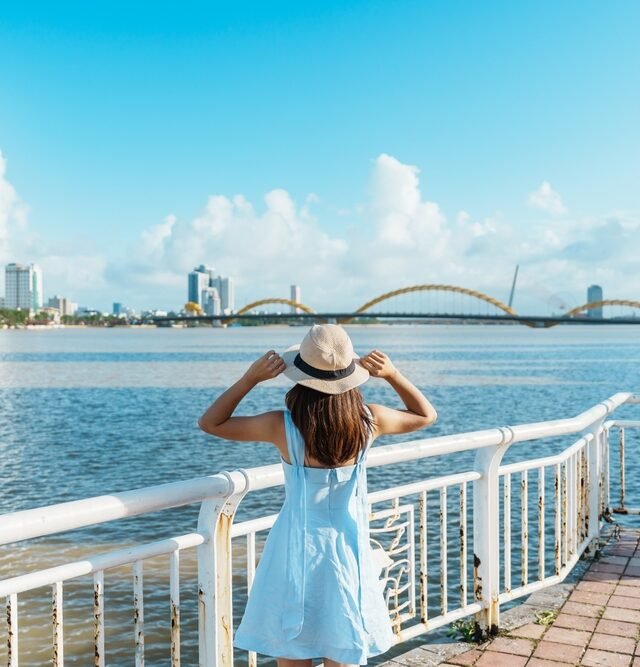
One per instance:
(597, 624)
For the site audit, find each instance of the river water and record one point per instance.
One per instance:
(85, 412)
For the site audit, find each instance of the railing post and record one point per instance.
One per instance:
(486, 532)
(595, 481)
(215, 611)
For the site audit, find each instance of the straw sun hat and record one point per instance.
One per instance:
(325, 361)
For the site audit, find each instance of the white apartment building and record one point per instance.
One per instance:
(296, 297)
(210, 301)
(203, 278)
(23, 287)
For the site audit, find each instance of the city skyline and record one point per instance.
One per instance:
(429, 161)
(211, 295)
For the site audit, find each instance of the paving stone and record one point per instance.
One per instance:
(512, 645)
(566, 636)
(582, 609)
(628, 591)
(575, 622)
(539, 662)
(466, 658)
(605, 567)
(595, 658)
(616, 614)
(601, 576)
(529, 631)
(615, 560)
(495, 659)
(624, 602)
(596, 587)
(589, 598)
(612, 643)
(560, 652)
(633, 571)
(628, 580)
(618, 627)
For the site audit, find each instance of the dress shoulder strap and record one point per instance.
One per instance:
(295, 442)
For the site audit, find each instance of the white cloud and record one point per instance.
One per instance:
(403, 218)
(396, 237)
(13, 214)
(74, 272)
(547, 199)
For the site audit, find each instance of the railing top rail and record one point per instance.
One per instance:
(61, 517)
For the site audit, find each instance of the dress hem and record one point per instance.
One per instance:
(249, 643)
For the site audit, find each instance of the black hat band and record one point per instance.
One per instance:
(319, 374)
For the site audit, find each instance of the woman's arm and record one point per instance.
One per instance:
(266, 427)
(419, 412)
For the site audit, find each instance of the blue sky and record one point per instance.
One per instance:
(119, 122)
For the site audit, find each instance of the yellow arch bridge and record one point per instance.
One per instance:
(503, 311)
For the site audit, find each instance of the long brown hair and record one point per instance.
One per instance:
(335, 427)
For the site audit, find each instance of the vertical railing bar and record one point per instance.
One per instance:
(604, 471)
(585, 487)
(412, 563)
(524, 508)
(541, 533)
(251, 570)
(174, 602)
(569, 482)
(58, 646)
(138, 611)
(576, 523)
(507, 531)
(424, 607)
(98, 619)
(622, 478)
(463, 544)
(443, 550)
(557, 549)
(583, 495)
(12, 630)
(607, 462)
(587, 454)
(565, 537)
(579, 503)
(574, 491)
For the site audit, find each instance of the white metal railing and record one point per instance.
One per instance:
(621, 426)
(438, 569)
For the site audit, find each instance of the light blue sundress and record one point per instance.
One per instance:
(316, 592)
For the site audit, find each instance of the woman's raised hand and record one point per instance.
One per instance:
(268, 366)
(378, 364)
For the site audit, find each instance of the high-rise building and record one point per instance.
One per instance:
(225, 288)
(198, 279)
(210, 301)
(202, 278)
(117, 308)
(594, 294)
(23, 287)
(63, 305)
(295, 297)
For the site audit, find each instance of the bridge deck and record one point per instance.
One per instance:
(597, 624)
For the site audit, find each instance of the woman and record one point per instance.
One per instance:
(316, 592)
